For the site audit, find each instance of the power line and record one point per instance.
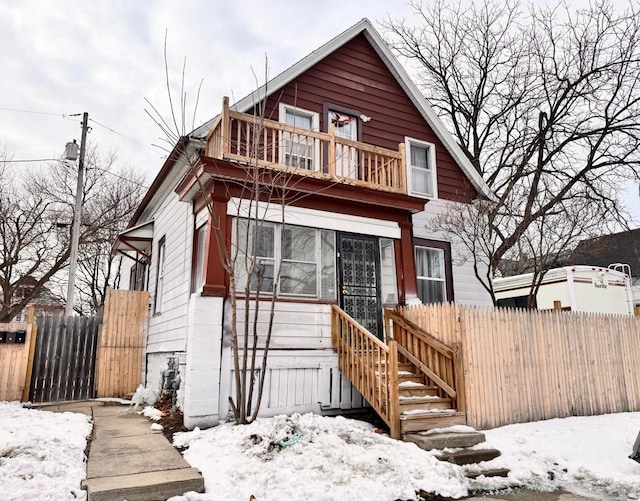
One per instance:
(35, 112)
(34, 160)
(120, 134)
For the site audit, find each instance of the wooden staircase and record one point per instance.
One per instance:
(413, 381)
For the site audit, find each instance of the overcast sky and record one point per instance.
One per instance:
(64, 57)
(60, 58)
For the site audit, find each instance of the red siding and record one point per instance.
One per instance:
(355, 77)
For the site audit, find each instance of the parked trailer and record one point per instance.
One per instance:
(579, 288)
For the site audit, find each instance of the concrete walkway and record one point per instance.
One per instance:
(127, 460)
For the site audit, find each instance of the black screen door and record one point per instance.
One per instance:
(359, 292)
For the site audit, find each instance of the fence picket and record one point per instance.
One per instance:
(529, 365)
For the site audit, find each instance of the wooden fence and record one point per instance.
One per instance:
(64, 359)
(15, 359)
(72, 358)
(121, 343)
(525, 365)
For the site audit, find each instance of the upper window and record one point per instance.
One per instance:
(306, 257)
(421, 168)
(430, 272)
(298, 149)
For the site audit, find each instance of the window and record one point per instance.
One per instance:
(388, 282)
(138, 276)
(159, 276)
(306, 257)
(421, 168)
(430, 273)
(298, 150)
(199, 249)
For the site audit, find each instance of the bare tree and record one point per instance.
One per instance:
(251, 277)
(545, 105)
(36, 214)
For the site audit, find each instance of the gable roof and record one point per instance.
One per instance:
(364, 27)
(623, 247)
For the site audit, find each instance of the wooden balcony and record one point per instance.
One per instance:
(251, 140)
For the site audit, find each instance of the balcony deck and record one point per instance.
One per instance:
(255, 141)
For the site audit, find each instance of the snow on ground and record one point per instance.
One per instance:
(312, 457)
(586, 455)
(41, 453)
(319, 458)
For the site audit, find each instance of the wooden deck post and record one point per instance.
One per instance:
(332, 151)
(557, 305)
(225, 127)
(403, 168)
(458, 369)
(393, 405)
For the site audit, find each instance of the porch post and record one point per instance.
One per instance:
(216, 280)
(407, 285)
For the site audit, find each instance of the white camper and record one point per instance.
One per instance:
(580, 288)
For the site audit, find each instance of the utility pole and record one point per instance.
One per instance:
(77, 216)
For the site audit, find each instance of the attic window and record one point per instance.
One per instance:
(421, 168)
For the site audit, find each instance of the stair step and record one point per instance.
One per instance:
(445, 440)
(468, 456)
(427, 402)
(414, 391)
(429, 421)
(492, 472)
(415, 378)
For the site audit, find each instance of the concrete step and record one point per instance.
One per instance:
(492, 472)
(428, 421)
(468, 456)
(445, 440)
(150, 486)
(427, 402)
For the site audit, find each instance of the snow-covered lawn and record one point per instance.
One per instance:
(41, 454)
(311, 457)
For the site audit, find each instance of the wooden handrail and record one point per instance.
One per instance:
(441, 364)
(319, 154)
(370, 365)
(436, 344)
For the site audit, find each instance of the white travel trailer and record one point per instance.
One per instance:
(580, 288)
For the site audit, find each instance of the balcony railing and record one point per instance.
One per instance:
(251, 140)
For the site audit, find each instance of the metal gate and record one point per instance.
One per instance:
(64, 359)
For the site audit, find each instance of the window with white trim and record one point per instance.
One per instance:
(306, 257)
(157, 304)
(430, 273)
(199, 249)
(421, 168)
(298, 149)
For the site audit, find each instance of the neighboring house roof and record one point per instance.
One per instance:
(365, 28)
(623, 247)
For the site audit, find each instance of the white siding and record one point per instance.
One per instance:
(302, 373)
(466, 287)
(174, 221)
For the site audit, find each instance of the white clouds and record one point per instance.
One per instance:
(105, 57)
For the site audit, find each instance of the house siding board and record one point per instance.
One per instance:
(355, 77)
(174, 221)
(466, 287)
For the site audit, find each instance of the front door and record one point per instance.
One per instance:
(346, 127)
(359, 277)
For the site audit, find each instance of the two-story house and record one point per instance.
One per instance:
(353, 163)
